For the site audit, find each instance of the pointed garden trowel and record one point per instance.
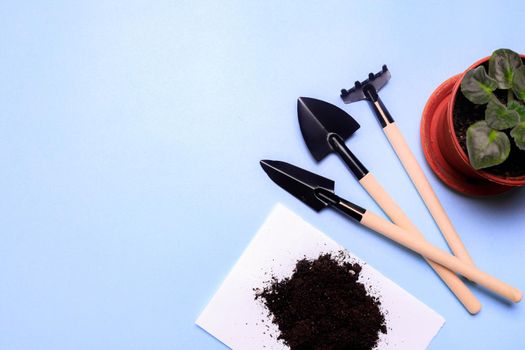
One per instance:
(325, 128)
(367, 90)
(318, 193)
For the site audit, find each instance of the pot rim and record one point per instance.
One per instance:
(513, 181)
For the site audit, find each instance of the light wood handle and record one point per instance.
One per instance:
(396, 214)
(439, 256)
(426, 192)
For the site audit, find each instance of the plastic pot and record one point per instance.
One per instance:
(443, 151)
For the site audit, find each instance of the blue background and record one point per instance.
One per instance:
(130, 135)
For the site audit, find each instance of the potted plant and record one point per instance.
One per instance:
(473, 126)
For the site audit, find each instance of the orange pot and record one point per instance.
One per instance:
(443, 151)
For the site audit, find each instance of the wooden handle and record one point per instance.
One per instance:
(396, 214)
(439, 256)
(422, 185)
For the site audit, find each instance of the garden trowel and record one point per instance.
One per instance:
(318, 193)
(367, 90)
(325, 128)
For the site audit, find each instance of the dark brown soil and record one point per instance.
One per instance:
(322, 306)
(466, 113)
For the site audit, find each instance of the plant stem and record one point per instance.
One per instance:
(510, 96)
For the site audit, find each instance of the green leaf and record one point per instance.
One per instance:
(486, 147)
(502, 65)
(499, 117)
(477, 86)
(519, 108)
(518, 83)
(518, 134)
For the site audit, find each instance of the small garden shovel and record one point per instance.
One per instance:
(318, 193)
(367, 90)
(325, 128)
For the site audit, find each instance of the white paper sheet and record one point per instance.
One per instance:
(240, 322)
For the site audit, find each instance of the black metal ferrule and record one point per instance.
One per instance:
(346, 207)
(351, 161)
(382, 113)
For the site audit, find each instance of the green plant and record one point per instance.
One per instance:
(488, 142)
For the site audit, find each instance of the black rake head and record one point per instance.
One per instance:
(362, 90)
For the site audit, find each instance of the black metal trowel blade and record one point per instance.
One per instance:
(319, 119)
(298, 182)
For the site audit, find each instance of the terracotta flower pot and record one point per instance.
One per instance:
(443, 151)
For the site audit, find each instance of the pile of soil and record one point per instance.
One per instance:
(466, 113)
(322, 306)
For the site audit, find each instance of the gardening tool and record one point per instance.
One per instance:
(367, 90)
(318, 193)
(325, 128)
